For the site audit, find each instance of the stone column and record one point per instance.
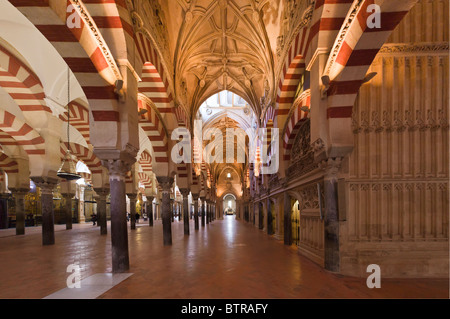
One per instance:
(68, 210)
(19, 194)
(166, 184)
(132, 198)
(331, 221)
(287, 219)
(185, 192)
(207, 212)
(102, 193)
(260, 215)
(172, 217)
(119, 232)
(269, 218)
(149, 204)
(203, 210)
(4, 221)
(195, 198)
(47, 184)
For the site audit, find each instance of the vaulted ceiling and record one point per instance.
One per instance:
(220, 45)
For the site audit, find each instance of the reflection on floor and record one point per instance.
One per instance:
(225, 259)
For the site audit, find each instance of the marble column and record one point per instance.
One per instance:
(132, 198)
(185, 192)
(331, 221)
(287, 219)
(119, 232)
(260, 216)
(149, 204)
(195, 198)
(172, 217)
(207, 212)
(203, 210)
(4, 221)
(269, 218)
(167, 215)
(19, 195)
(102, 193)
(68, 210)
(47, 184)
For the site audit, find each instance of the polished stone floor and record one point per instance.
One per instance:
(225, 259)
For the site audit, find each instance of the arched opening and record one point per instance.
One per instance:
(295, 218)
(229, 205)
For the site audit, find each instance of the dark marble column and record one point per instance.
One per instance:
(132, 198)
(47, 184)
(269, 218)
(287, 219)
(260, 218)
(19, 194)
(119, 232)
(68, 210)
(207, 212)
(167, 214)
(331, 221)
(203, 210)
(102, 193)
(185, 192)
(172, 214)
(150, 210)
(4, 220)
(195, 198)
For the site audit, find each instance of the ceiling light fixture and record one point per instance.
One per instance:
(67, 170)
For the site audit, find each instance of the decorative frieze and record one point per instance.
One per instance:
(408, 120)
(415, 49)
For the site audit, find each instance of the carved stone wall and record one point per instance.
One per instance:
(311, 241)
(302, 154)
(397, 185)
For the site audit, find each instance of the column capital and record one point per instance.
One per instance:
(132, 196)
(101, 191)
(117, 168)
(46, 184)
(150, 198)
(165, 182)
(19, 191)
(195, 197)
(331, 166)
(185, 192)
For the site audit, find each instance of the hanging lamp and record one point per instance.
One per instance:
(67, 170)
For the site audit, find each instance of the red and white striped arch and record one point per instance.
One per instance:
(153, 127)
(79, 118)
(146, 162)
(85, 155)
(145, 179)
(155, 83)
(21, 83)
(89, 60)
(328, 17)
(8, 165)
(356, 52)
(22, 133)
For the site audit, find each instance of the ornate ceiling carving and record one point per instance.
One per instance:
(222, 45)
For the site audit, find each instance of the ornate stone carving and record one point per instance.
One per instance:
(302, 153)
(309, 197)
(117, 169)
(415, 48)
(166, 183)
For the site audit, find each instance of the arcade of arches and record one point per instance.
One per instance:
(361, 112)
